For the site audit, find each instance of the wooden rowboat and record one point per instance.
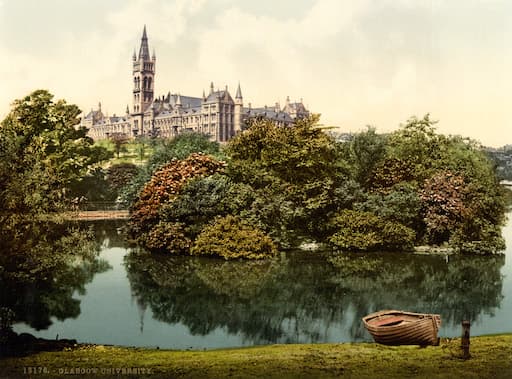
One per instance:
(392, 327)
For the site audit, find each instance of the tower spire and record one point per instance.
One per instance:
(144, 48)
(238, 92)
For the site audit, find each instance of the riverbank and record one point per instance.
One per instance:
(491, 357)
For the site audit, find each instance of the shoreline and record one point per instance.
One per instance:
(490, 358)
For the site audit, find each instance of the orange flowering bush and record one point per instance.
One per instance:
(164, 187)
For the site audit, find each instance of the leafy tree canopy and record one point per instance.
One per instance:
(43, 152)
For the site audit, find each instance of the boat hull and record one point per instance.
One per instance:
(393, 327)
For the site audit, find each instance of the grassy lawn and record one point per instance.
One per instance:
(491, 358)
(136, 152)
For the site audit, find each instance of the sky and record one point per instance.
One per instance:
(356, 62)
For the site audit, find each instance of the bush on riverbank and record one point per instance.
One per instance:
(231, 238)
(453, 192)
(164, 187)
(365, 231)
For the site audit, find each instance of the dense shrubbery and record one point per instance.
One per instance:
(164, 187)
(230, 237)
(376, 192)
(295, 174)
(357, 230)
(119, 175)
(443, 187)
(165, 151)
(167, 237)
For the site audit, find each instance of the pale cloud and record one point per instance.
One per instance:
(168, 21)
(356, 62)
(272, 57)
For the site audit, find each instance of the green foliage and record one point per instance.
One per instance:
(179, 147)
(390, 172)
(201, 200)
(364, 231)
(120, 174)
(119, 140)
(100, 185)
(401, 203)
(43, 153)
(297, 183)
(230, 237)
(295, 172)
(444, 207)
(443, 187)
(419, 145)
(366, 150)
(167, 237)
(93, 187)
(164, 187)
(43, 265)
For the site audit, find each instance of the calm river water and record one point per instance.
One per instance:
(301, 297)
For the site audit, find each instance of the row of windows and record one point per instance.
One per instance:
(191, 119)
(222, 108)
(146, 82)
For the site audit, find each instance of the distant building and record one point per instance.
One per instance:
(216, 114)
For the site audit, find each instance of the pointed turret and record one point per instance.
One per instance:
(134, 57)
(211, 88)
(143, 82)
(204, 96)
(178, 100)
(238, 92)
(239, 103)
(144, 48)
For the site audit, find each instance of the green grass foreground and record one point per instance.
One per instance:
(491, 357)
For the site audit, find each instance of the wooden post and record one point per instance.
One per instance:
(465, 339)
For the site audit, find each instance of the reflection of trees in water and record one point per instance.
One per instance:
(109, 233)
(41, 267)
(462, 288)
(299, 298)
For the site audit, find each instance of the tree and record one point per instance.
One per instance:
(418, 144)
(43, 153)
(295, 172)
(119, 140)
(367, 149)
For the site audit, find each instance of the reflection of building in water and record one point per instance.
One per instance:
(216, 114)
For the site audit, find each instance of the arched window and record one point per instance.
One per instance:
(145, 84)
(149, 83)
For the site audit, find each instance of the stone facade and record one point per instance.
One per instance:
(216, 114)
